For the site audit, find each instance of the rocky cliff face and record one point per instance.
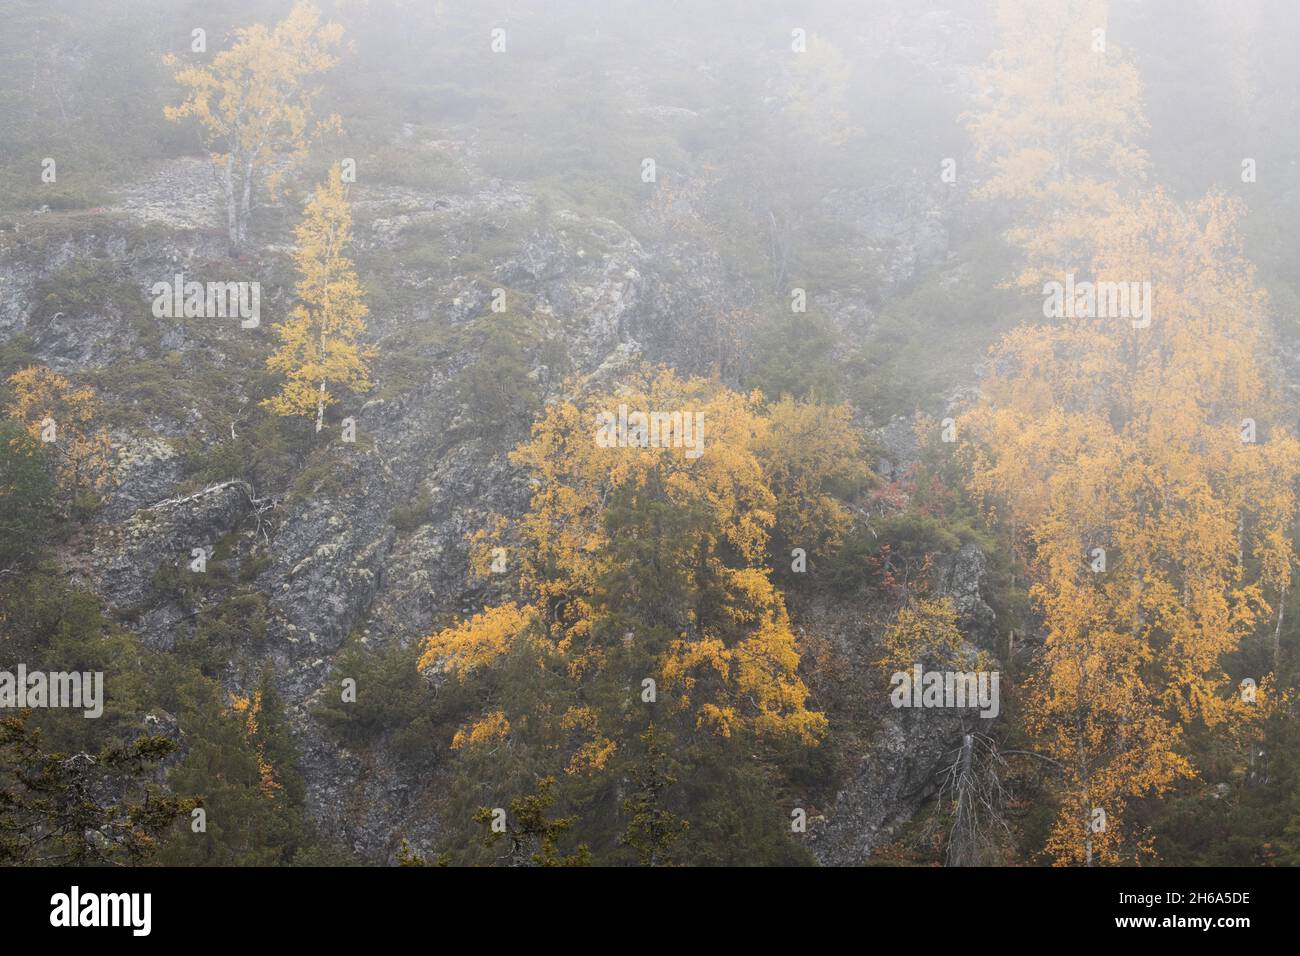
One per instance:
(902, 751)
(327, 557)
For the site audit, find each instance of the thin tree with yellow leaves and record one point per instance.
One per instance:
(320, 342)
(1057, 123)
(254, 104)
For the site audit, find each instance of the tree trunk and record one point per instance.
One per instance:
(962, 849)
(1277, 632)
(245, 201)
(1087, 831)
(320, 407)
(232, 210)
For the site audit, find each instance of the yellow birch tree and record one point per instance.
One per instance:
(254, 104)
(320, 342)
(1057, 122)
(1140, 465)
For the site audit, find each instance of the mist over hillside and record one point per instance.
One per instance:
(858, 432)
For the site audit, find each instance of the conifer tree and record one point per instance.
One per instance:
(652, 829)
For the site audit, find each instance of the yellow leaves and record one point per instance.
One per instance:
(254, 97)
(1091, 435)
(625, 546)
(594, 753)
(266, 777)
(1057, 123)
(758, 677)
(685, 658)
(809, 452)
(477, 642)
(39, 392)
(487, 554)
(1113, 449)
(766, 666)
(719, 720)
(753, 593)
(925, 633)
(253, 104)
(63, 417)
(575, 473)
(490, 729)
(319, 343)
(249, 708)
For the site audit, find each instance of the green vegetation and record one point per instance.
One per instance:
(526, 173)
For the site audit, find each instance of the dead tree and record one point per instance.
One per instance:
(972, 785)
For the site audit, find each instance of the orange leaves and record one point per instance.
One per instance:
(477, 642)
(490, 729)
(63, 418)
(250, 708)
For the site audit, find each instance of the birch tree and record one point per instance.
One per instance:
(320, 342)
(254, 105)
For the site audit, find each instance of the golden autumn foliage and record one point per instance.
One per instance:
(812, 457)
(249, 708)
(63, 417)
(1096, 435)
(600, 514)
(925, 632)
(1143, 469)
(596, 750)
(476, 642)
(488, 730)
(319, 343)
(254, 104)
(1057, 123)
(647, 563)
